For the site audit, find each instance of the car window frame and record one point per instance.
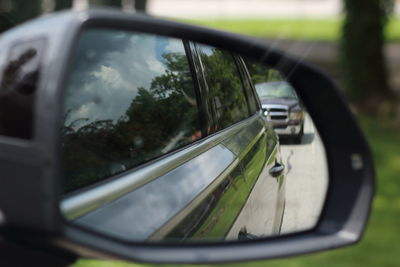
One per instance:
(246, 76)
(201, 108)
(205, 86)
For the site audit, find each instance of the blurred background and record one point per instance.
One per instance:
(357, 42)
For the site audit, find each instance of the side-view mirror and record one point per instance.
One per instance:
(125, 136)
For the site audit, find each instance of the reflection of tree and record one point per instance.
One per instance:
(260, 73)
(165, 115)
(225, 88)
(88, 151)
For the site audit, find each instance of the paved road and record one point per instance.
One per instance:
(307, 180)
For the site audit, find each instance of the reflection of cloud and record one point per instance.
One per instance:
(84, 110)
(174, 46)
(109, 68)
(207, 50)
(154, 65)
(108, 74)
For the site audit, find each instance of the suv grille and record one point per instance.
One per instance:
(277, 110)
(277, 113)
(279, 117)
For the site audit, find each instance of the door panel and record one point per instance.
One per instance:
(218, 214)
(213, 218)
(154, 209)
(258, 215)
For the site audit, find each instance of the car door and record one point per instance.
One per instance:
(255, 145)
(267, 199)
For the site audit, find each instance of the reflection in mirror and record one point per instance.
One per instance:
(174, 141)
(301, 148)
(20, 77)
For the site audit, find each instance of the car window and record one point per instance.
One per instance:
(225, 88)
(129, 99)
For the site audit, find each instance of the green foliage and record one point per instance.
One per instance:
(140, 5)
(260, 73)
(19, 11)
(62, 4)
(387, 7)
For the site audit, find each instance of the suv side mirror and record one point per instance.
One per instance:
(69, 136)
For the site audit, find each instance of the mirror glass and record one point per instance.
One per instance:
(175, 141)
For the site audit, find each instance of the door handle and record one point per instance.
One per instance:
(277, 170)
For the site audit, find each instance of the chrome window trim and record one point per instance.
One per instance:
(79, 203)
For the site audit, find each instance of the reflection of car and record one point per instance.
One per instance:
(187, 155)
(283, 109)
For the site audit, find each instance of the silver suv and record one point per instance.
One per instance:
(283, 109)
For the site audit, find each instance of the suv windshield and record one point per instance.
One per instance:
(267, 90)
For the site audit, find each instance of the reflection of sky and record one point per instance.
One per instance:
(207, 50)
(109, 68)
(160, 47)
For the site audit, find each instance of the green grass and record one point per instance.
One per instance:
(380, 245)
(294, 29)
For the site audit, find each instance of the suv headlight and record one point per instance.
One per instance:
(266, 114)
(295, 115)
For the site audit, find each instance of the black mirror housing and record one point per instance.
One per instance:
(30, 167)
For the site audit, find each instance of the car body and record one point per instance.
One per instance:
(283, 108)
(190, 156)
